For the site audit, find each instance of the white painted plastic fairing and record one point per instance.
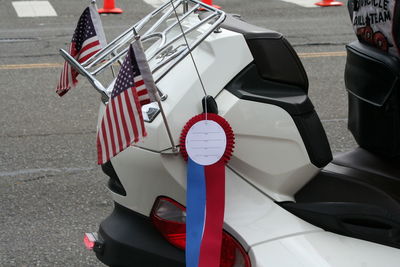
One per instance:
(323, 249)
(271, 235)
(270, 163)
(250, 215)
(216, 66)
(257, 158)
(269, 151)
(254, 218)
(146, 175)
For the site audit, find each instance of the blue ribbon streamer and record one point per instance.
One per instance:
(195, 211)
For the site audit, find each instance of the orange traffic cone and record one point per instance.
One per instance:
(109, 7)
(329, 3)
(210, 3)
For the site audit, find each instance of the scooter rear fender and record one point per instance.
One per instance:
(322, 249)
(251, 216)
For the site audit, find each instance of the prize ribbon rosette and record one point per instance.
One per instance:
(206, 143)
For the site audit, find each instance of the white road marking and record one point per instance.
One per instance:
(155, 3)
(34, 9)
(303, 3)
(43, 170)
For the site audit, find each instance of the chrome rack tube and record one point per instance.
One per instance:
(78, 67)
(116, 49)
(159, 21)
(110, 61)
(103, 53)
(122, 38)
(181, 56)
(179, 36)
(185, 6)
(118, 55)
(187, 14)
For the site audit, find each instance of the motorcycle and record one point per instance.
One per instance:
(288, 201)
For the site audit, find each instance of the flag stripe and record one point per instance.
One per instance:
(111, 130)
(138, 113)
(105, 156)
(88, 49)
(145, 101)
(103, 133)
(117, 125)
(131, 115)
(127, 118)
(139, 82)
(137, 78)
(88, 43)
(101, 154)
(108, 141)
(83, 59)
(99, 149)
(66, 75)
(123, 121)
(141, 90)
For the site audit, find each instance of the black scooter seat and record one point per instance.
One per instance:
(365, 161)
(357, 194)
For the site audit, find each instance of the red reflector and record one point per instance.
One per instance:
(232, 253)
(169, 217)
(90, 240)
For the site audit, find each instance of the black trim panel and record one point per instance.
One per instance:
(131, 240)
(114, 184)
(370, 74)
(314, 137)
(274, 57)
(277, 77)
(354, 196)
(359, 220)
(249, 85)
(372, 79)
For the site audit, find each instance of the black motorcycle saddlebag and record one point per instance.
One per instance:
(372, 82)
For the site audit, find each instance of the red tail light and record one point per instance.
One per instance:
(169, 217)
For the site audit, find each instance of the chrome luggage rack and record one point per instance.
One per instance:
(166, 39)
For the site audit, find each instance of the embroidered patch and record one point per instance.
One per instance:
(372, 23)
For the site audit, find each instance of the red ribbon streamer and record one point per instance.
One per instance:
(210, 250)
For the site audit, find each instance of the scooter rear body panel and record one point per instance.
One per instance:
(272, 160)
(323, 249)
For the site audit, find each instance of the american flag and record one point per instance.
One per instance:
(88, 39)
(122, 123)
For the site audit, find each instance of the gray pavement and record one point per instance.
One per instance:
(51, 190)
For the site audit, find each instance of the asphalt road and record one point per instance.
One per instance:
(51, 190)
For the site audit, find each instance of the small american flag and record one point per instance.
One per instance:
(88, 39)
(122, 123)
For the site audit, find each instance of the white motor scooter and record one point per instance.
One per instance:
(287, 202)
